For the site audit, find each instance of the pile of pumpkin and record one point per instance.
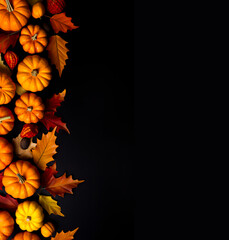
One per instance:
(21, 179)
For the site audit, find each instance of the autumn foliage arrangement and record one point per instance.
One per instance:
(29, 180)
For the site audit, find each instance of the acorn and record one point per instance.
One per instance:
(11, 59)
(55, 6)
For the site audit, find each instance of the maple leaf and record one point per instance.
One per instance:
(8, 203)
(65, 236)
(45, 149)
(57, 52)
(50, 120)
(60, 185)
(50, 205)
(60, 22)
(55, 101)
(46, 177)
(7, 39)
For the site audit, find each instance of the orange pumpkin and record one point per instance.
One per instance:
(6, 153)
(7, 88)
(6, 120)
(26, 236)
(29, 108)
(21, 179)
(38, 10)
(33, 39)
(6, 225)
(34, 73)
(14, 14)
(47, 229)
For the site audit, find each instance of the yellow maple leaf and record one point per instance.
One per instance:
(65, 236)
(50, 205)
(45, 149)
(57, 52)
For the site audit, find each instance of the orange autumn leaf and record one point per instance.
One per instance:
(57, 52)
(60, 22)
(61, 185)
(65, 236)
(55, 101)
(45, 149)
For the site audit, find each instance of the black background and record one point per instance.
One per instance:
(98, 110)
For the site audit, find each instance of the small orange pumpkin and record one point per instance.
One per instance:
(38, 10)
(6, 153)
(21, 179)
(7, 88)
(47, 229)
(34, 73)
(29, 108)
(14, 14)
(6, 120)
(33, 39)
(26, 236)
(6, 225)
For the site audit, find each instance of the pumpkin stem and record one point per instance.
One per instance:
(30, 109)
(21, 178)
(34, 72)
(9, 6)
(28, 219)
(34, 37)
(5, 118)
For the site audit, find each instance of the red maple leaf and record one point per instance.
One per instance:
(8, 203)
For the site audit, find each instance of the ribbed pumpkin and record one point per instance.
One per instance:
(33, 39)
(14, 14)
(34, 73)
(26, 236)
(38, 10)
(7, 88)
(6, 120)
(29, 216)
(6, 153)
(29, 108)
(47, 229)
(6, 225)
(21, 179)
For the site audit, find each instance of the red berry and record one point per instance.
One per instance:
(11, 59)
(55, 6)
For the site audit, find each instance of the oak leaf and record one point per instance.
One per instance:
(50, 205)
(57, 52)
(60, 22)
(8, 203)
(45, 149)
(65, 236)
(58, 185)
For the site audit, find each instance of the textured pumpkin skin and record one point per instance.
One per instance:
(6, 225)
(29, 108)
(47, 229)
(11, 59)
(6, 125)
(16, 19)
(33, 39)
(7, 88)
(38, 10)
(13, 183)
(29, 216)
(6, 153)
(26, 236)
(34, 73)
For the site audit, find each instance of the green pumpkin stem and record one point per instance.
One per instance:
(21, 178)
(9, 6)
